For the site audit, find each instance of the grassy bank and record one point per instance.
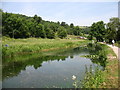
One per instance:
(107, 78)
(110, 74)
(117, 44)
(21, 46)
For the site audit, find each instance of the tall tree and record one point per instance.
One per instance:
(50, 34)
(37, 19)
(63, 23)
(40, 32)
(113, 29)
(77, 30)
(62, 32)
(98, 30)
(71, 25)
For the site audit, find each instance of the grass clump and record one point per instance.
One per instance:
(93, 79)
(20, 46)
(107, 78)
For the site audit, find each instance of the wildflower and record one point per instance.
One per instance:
(6, 45)
(73, 77)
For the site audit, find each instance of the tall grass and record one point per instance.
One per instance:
(93, 80)
(101, 79)
(98, 55)
(16, 46)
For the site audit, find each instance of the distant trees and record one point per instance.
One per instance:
(111, 32)
(118, 34)
(62, 32)
(77, 30)
(21, 26)
(71, 25)
(37, 19)
(49, 33)
(98, 30)
(40, 32)
(63, 23)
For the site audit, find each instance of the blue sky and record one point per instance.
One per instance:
(79, 13)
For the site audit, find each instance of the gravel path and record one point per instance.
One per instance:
(116, 50)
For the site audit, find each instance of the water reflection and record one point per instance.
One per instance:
(98, 50)
(14, 67)
(47, 68)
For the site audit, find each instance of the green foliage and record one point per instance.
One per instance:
(16, 46)
(62, 32)
(77, 30)
(113, 31)
(97, 54)
(21, 26)
(90, 37)
(85, 30)
(101, 79)
(21, 61)
(71, 25)
(92, 79)
(40, 32)
(37, 19)
(50, 34)
(118, 35)
(98, 30)
(63, 23)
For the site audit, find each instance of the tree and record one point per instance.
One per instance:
(22, 26)
(71, 25)
(63, 23)
(58, 23)
(76, 30)
(40, 32)
(37, 19)
(22, 32)
(50, 34)
(98, 30)
(113, 29)
(118, 33)
(62, 32)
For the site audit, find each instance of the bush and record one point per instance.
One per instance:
(62, 33)
(90, 37)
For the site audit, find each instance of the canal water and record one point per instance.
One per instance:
(53, 69)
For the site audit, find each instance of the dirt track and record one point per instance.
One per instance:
(116, 50)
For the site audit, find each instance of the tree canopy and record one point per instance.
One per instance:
(107, 32)
(98, 30)
(21, 26)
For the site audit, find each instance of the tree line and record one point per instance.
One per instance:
(106, 32)
(21, 26)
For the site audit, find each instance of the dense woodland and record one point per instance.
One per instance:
(106, 32)
(21, 26)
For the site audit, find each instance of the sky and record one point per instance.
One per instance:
(78, 13)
